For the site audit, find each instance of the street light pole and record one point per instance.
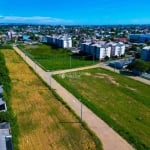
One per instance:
(115, 67)
(70, 62)
(50, 81)
(35, 66)
(93, 55)
(81, 112)
(25, 57)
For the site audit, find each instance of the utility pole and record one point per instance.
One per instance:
(93, 58)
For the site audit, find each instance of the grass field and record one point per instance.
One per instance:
(44, 122)
(51, 58)
(122, 102)
(8, 116)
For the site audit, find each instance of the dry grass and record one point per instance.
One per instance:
(107, 77)
(44, 123)
(103, 76)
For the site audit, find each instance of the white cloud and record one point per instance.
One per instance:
(34, 19)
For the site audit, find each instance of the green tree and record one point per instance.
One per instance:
(139, 65)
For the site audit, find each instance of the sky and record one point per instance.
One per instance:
(75, 12)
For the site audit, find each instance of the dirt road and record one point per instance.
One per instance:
(109, 138)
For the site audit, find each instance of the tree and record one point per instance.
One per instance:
(106, 58)
(137, 55)
(139, 65)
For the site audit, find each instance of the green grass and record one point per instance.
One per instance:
(5, 46)
(121, 102)
(52, 58)
(8, 116)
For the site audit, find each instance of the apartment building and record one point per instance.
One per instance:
(101, 50)
(60, 41)
(117, 49)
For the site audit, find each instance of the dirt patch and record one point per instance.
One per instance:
(87, 74)
(109, 78)
(31, 46)
(132, 89)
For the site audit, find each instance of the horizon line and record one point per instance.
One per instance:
(117, 24)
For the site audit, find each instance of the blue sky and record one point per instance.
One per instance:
(75, 11)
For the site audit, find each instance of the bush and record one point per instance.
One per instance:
(139, 65)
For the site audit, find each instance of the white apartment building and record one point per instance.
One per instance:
(117, 49)
(97, 50)
(101, 50)
(60, 41)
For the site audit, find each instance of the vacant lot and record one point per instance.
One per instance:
(52, 58)
(44, 123)
(122, 102)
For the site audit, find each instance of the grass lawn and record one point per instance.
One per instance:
(122, 102)
(44, 122)
(51, 58)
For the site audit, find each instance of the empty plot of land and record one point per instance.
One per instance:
(52, 58)
(44, 123)
(122, 102)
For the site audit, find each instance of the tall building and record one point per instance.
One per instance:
(146, 53)
(97, 50)
(60, 41)
(102, 50)
(117, 49)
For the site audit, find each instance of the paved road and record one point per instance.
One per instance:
(109, 138)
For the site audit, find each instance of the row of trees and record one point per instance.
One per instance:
(139, 65)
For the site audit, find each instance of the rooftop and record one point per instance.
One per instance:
(1, 101)
(141, 35)
(146, 48)
(61, 37)
(3, 106)
(1, 89)
(4, 125)
(104, 44)
(5, 137)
